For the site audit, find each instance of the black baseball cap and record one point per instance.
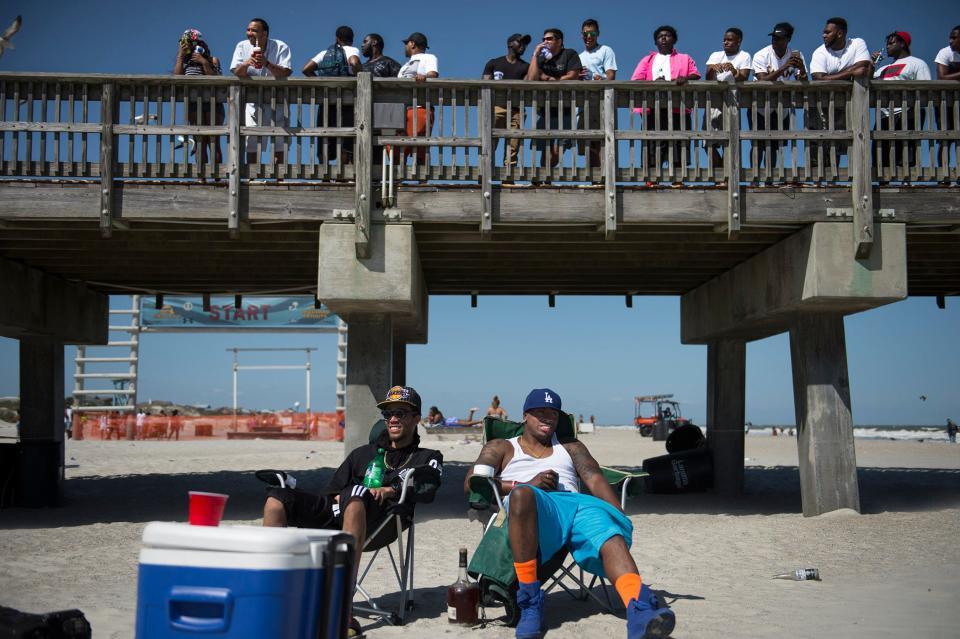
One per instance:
(525, 39)
(782, 30)
(418, 39)
(402, 395)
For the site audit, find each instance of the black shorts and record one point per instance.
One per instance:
(310, 510)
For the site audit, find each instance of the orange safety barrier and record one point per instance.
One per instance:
(284, 425)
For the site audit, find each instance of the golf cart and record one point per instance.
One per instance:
(657, 415)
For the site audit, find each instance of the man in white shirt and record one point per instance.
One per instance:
(419, 66)
(903, 67)
(775, 63)
(598, 63)
(259, 56)
(838, 58)
(338, 60)
(948, 68)
(732, 64)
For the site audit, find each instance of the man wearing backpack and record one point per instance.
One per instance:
(340, 59)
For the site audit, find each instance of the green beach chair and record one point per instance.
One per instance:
(492, 562)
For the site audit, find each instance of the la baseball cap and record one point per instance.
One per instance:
(542, 398)
(402, 395)
(525, 39)
(782, 30)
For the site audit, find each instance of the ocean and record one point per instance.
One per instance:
(907, 432)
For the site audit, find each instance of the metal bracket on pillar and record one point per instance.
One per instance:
(363, 116)
(108, 158)
(860, 170)
(485, 123)
(610, 204)
(731, 162)
(234, 162)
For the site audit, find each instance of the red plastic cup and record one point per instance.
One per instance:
(206, 509)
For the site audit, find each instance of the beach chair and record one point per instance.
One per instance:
(492, 562)
(384, 535)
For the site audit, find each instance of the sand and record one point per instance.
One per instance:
(891, 571)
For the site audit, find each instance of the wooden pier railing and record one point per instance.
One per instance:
(611, 133)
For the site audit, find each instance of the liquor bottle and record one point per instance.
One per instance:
(373, 477)
(463, 597)
(800, 574)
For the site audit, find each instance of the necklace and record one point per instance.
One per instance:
(543, 453)
(398, 467)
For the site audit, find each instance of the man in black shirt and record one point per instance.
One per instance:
(346, 504)
(377, 64)
(509, 67)
(550, 62)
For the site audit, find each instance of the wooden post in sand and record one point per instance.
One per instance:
(726, 393)
(41, 422)
(821, 391)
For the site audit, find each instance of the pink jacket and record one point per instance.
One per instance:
(680, 64)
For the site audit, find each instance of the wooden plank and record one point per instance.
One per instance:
(485, 125)
(108, 157)
(610, 202)
(234, 160)
(363, 153)
(731, 161)
(861, 182)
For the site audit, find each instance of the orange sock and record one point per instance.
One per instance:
(526, 571)
(628, 587)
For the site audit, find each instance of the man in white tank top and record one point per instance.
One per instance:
(542, 475)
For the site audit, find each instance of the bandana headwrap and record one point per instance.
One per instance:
(191, 35)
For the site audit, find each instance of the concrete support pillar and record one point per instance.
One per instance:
(399, 376)
(821, 390)
(369, 373)
(40, 476)
(726, 393)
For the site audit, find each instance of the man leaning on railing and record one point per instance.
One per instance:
(900, 118)
(260, 56)
(551, 61)
(776, 63)
(838, 58)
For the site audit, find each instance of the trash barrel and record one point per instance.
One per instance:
(660, 430)
(685, 437)
(688, 471)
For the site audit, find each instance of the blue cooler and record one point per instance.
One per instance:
(243, 581)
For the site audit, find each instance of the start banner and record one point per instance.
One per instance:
(267, 313)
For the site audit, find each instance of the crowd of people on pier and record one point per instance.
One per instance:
(839, 57)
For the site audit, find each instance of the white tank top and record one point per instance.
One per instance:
(524, 467)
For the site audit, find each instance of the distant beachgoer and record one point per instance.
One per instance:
(104, 426)
(495, 409)
(592, 420)
(436, 418)
(952, 430)
(141, 423)
(174, 430)
(774, 432)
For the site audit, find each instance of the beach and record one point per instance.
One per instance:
(890, 571)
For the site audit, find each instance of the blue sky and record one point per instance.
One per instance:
(595, 352)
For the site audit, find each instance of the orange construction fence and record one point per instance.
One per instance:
(283, 425)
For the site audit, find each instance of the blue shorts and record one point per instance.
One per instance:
(581, 523)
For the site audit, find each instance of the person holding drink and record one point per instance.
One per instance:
(194, 58)
(260, 56)
(351, 502)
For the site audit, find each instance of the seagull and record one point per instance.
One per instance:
(923, 398)
(181, 141)
(6, 35)
(139, 119)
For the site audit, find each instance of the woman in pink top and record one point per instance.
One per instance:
(666, 64)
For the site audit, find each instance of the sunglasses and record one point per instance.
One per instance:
(548, 38)
(591, 34)
(399, 414)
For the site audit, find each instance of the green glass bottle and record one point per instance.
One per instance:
(373, 478)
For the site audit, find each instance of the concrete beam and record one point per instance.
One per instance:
(821, 389)
(42, 305)
(813, 270)
(389, 281)
(369, 373)
(726, 397)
